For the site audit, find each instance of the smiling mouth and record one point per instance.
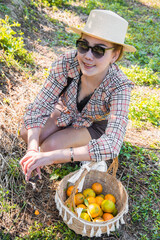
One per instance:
(88, 65)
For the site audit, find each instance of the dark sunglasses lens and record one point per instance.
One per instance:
(82, 46)
(98, 52)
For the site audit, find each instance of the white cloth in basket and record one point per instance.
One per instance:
(99, 166)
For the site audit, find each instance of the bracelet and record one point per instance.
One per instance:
(71, 151)
(32, 150)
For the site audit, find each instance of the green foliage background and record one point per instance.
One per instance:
(142, 67)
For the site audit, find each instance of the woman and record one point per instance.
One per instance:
(81, 112)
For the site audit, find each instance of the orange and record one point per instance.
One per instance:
(85, 216)
(107, 216)
(97, 188)
(99, 200)
(101, 213)
(36, 212)
(115, 212)
(110, 197)
(98, 219)
(101, 195)
(81, 206)
(88, 192)
(108, 206)
(78, 198)
(91, 200)
(69, 190)
(94, 210)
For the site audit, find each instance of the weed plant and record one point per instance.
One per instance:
(12, 44)
(139, 168)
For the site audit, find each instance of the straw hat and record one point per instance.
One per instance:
(106, 25)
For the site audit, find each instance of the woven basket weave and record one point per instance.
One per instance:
(110, 185)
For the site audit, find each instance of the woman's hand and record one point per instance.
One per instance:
(34, 160)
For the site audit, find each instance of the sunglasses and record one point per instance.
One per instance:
(97, 51)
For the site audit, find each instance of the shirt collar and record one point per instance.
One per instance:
(74, 70)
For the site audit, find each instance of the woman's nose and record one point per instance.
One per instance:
(89, 54)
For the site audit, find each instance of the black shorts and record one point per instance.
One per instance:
(97, 129)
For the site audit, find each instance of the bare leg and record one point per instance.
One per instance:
(65, 138)
(49, 128)
(53, 137)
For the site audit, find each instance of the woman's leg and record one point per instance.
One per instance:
(65, 138)
(49, 128)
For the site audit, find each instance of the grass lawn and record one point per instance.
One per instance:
(31, 37)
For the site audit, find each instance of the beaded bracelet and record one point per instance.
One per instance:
(71, 151)
(32, 150)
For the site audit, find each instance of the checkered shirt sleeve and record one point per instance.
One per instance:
(39, 111)
(109, 144)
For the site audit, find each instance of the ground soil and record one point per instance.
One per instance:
(17, 87)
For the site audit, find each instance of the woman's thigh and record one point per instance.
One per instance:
(65, 138)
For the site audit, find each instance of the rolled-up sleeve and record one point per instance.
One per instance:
(38, 112)
(109, 144)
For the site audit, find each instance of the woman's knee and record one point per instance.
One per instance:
(23, 133)
(49, 145)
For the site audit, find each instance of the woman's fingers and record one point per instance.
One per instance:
(32, 165)
(26, 164)
(39, 172)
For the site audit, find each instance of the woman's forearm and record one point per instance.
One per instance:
(64, 155)
(33, 138)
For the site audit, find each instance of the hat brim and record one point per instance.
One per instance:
(126, 48)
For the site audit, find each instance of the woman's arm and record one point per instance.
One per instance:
(41, 159)
(33, 138)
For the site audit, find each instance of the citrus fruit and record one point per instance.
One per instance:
(99, 200)
(101, 213)
(98, 219)
(78, 198)
(97, 188)
(101, 195)
(115, 212)
(69, 190)
(107, 216)
(94, 210)
(91, 199)
(81, 206)
(110, 197)
(108, 206)
(85, 216)
(36, 212)
(88, 192)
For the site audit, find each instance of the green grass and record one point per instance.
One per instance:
(144, 108)
(58, 231)
(142, 76)
(60, 172)
(144, 175)
(141, 173)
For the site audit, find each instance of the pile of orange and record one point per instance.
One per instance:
(97, 207)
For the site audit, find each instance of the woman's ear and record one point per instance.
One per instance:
(115, 56)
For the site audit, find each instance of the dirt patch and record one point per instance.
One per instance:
(19, 89)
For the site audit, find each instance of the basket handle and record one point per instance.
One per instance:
(113, 167)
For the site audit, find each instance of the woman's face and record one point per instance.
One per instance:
(92, 66)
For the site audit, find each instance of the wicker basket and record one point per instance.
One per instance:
(110, 185)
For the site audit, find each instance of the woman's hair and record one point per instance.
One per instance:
(118, 47)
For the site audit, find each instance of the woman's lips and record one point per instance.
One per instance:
(88, 66)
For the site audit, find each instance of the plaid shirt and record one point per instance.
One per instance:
(109, 101)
